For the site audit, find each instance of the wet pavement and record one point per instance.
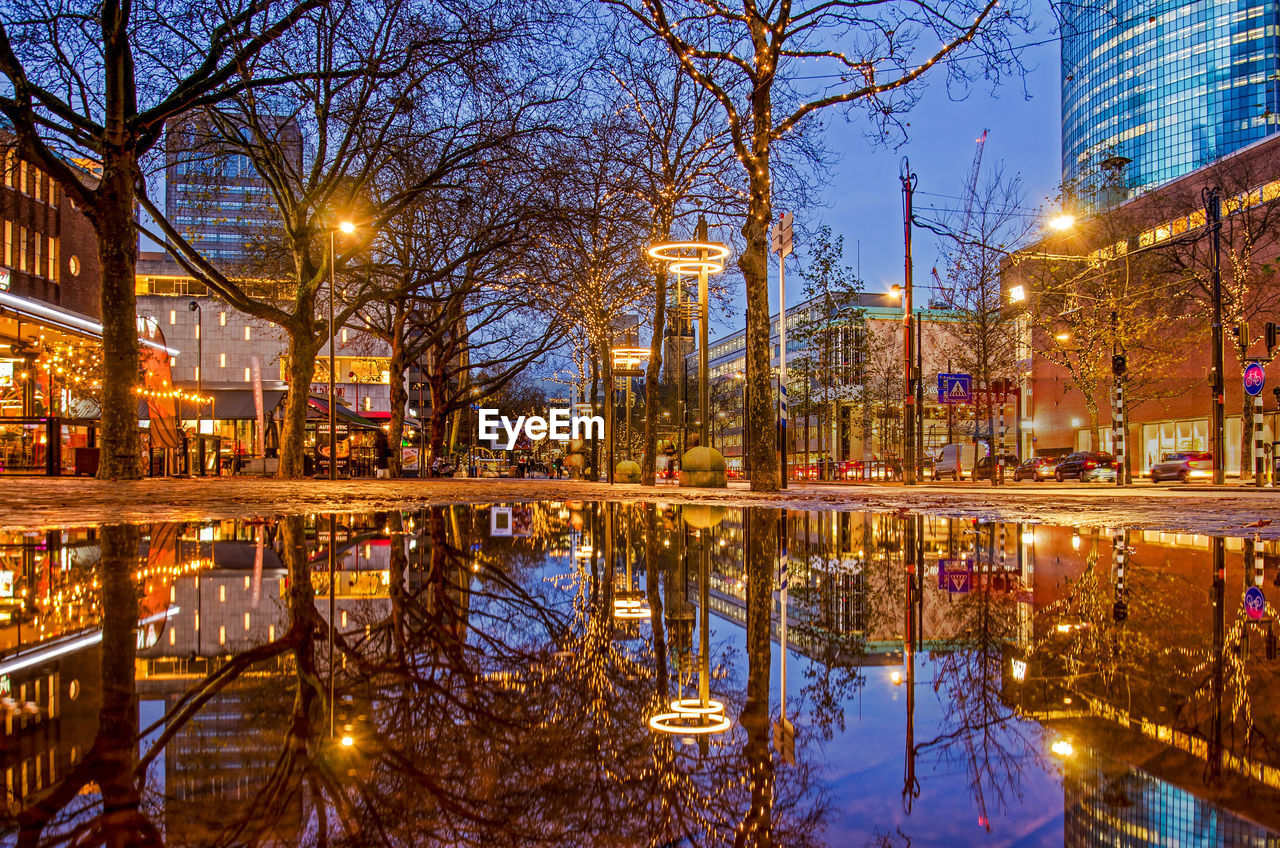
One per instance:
(45, 502)
(574, 672)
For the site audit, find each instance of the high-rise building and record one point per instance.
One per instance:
(215, 197)
(1166, 87)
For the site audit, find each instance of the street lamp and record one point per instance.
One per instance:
(347, 228)
(1062, 221)
(195, 307)
(704, 258)
(355, 378)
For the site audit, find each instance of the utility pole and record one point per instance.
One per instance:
(1118, 423)
(919, 396)
(908, 410)
(1213, 210)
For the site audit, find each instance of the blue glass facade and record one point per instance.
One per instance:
(1171, 86)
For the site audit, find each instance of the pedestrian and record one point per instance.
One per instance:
(382, 451)
(559, 465)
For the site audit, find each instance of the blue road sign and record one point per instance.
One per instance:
(955, 575)
(1254, 603)
(955, 388)
(1255, 377)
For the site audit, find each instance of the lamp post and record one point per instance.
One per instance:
(347, 228)
(742, 375)
(908, 180)
(355, 378)
(703, 258)
(195, 307)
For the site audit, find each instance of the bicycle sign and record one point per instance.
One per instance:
(1255, 377)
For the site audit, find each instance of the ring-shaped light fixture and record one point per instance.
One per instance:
(694, 707)
(677, 723)
(691, 257)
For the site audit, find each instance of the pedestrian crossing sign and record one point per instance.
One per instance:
(955, 388)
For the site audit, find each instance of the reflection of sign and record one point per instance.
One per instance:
(4, 279)
(1254, 379)
(1254, 603)
(500, 521)
(955, 575)
(6, 584)
(955, 388)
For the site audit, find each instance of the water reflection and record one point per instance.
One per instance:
(491, 675)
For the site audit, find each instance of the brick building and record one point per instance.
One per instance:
(1161, 243)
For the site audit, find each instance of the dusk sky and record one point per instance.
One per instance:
(864, 198)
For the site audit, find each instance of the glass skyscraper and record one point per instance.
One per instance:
(1169, 85)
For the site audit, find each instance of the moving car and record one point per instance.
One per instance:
(986, 467)
(1086, 466)
(1036, 468)
(1183, 466)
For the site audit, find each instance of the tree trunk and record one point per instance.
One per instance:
(595, 443)
(119, 447)
(293, 429)
(115, 749)
(399, 396)
(762, 417)
(648, 466)
(439, 413)
(762, 527)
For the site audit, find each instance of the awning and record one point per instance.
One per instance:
(64, 320)
(342, 413)
(383, 416)
(229, 404)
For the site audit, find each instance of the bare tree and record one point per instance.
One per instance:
(448, 100)
(89, 88)
(749, 57)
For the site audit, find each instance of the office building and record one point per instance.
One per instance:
(1167, 86)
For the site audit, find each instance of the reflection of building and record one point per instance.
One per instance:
(1169, 86)
(1108, 802)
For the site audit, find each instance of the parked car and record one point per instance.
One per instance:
(955, 461)
(986, 467)
(1086, 466)
(1184, 466)
(1036, 468)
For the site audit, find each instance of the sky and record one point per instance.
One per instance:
(864, 199)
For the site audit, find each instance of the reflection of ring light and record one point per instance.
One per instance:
(689, 716)
(691, 257)
(674, 723)
(692, 707)
(631, 609)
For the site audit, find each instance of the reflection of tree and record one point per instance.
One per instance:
(485, 705)
(979, 730)
(110, 762)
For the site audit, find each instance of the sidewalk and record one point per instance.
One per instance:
(59, 502)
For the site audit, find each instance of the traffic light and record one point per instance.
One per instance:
(1273, 332)
(1120, 611)
(1118, 365)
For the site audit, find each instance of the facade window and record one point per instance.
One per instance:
(222, 319)
(8, 244)
(22, 176)
(246, 333)
(246, 375)
(22, 248)
(173, 317)
(37, 267)
(222, 360)
(54, 273)
(10, 165)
